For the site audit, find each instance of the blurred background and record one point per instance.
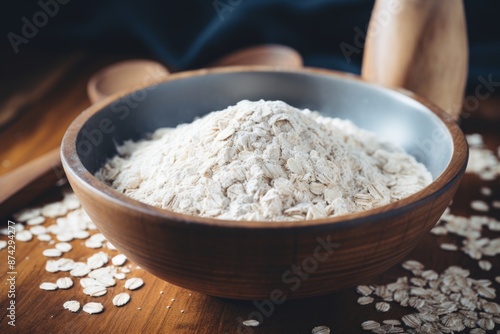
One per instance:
(191, 33)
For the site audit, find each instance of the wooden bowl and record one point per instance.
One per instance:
(264, 260)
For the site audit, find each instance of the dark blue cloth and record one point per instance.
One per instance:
(187, 34)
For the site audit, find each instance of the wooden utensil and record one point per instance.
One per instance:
(123, 75)
(419, 45)
(29, 181)
(24, 184)
(269, 54)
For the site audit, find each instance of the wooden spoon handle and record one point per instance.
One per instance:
(24, 184)
(419, 45)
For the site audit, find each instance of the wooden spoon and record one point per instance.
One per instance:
(29, 181)
(268, 54)
(419, 45)
(123, 75)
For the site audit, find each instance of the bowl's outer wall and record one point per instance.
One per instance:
(249, 263)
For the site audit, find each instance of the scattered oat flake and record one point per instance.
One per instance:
(87, 281)
(71, 202)
(80, 269)
(81, 234)
(121, 299)
(97, 260)
(38, 229)
(24, 235)
(64, 283)
(321, 330)
(119, 260)
(251, 323)
(98, 237)
(119, 276)
(48, 286)
(485, 265)
(106, 280)
(365, 300)
(63, 246)
(496, 204)
(52, 252)
(100, 272)
(65, 264)
(64, 236)
(382, 307)
(448, 247)
(364, 290)
(95, 291)
(479, 205)
(51, 266)
(486, 191)
(134, 283)
(94, 244)
(35, 221)
(71, 305)
(370, 325)
(54, 210)
(44, 237)
(92, 308)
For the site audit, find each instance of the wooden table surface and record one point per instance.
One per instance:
(52, 95)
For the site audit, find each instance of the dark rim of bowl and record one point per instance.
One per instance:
(453, 170)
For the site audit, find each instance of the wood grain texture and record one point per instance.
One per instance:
(26, 183)
(41, 311)
(420, 45)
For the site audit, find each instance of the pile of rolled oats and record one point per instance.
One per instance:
(264, 160)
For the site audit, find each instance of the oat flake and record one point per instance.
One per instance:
(72, 305)
(24, 235)
(121, 299)
(134, 283)
(92, 308)
(119, 260)
(63, 246)
(48, 286)
(95, 291)
(52, 252)
(251, 323)
(321, 330)
(64, 283)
